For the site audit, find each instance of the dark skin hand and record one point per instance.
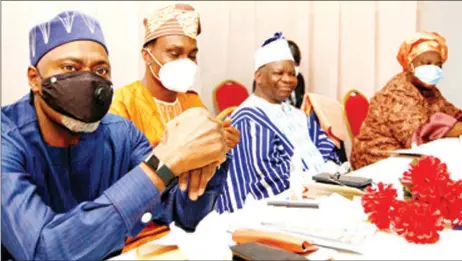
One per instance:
(232, 134)
(456, 131)
(166, 49)
(193, 129)
(199, 178)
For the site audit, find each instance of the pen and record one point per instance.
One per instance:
(293, 204)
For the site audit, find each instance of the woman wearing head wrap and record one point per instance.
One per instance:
(409, 109)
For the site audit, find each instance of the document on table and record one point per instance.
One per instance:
(339, 223)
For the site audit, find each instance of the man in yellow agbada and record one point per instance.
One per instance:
(170, 54)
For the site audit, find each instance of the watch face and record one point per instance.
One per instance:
(153, 161)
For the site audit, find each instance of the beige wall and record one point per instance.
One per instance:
(344, 45)
(446, 18)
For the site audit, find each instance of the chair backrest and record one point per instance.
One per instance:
(356, 106)
(225, 113)
(229, 93)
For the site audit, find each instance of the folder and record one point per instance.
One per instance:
(287, 242)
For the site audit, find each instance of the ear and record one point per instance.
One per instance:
(35, 81)
(146, 57)
(258, 75)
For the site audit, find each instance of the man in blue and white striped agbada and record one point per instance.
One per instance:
(277, 139)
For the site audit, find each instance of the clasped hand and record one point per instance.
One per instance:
(194, 144)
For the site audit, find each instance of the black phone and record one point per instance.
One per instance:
(258, 251)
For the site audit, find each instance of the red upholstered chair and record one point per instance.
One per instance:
(229, 93)
(355, 106)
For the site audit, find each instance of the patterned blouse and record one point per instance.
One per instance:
(401, 114)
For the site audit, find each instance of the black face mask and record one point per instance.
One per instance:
(84, 96)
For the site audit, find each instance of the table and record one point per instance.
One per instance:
(383, 246)
(390, 170)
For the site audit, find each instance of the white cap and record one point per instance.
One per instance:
(277, 50)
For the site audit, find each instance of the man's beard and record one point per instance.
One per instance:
(78, 126)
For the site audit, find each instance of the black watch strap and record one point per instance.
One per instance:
(164, 173)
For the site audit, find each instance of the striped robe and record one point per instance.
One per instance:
(261, 161)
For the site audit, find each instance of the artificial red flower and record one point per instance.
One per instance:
(452, 207)
(433, 195)
(436, 188)
(418, 222)
(378, 204)
(426, 171)
(436, 199)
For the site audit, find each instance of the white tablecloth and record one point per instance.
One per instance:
(391, 169)
(383, 246)
(388, 246)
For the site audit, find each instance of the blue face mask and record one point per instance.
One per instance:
(429, 74)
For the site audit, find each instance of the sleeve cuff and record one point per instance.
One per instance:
(133, 196)
(218, 180)
(190, 213)
(186, 213)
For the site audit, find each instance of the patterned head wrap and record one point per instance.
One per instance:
(419, 43)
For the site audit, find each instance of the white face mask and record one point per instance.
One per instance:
(429, 74)
(297, 70)
(178, 75)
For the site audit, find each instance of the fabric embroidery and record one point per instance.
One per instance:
(67, 21)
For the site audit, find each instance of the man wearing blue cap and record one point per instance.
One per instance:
(77, 181)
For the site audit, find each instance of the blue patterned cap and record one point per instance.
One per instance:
(66, 27)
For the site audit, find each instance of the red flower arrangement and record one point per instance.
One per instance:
(435, 202)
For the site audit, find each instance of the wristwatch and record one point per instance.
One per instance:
(164, 173)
